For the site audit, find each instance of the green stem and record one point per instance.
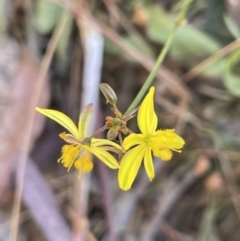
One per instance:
(160, 58)
(153, 72)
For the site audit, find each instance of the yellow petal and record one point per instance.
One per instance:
(84, 120)
(104, 156)
(129, 166)
(133, 140)
(104, 142)
(69, 138)
(148, 164)
(147, 119)
(61, 119)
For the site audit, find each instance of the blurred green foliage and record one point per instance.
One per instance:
(47, 15)
(232, 74)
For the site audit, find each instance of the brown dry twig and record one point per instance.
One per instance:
(198, 69)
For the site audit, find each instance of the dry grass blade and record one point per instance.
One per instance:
(183, 113)
(28, 127)
(8, 83)
(228, 173)
(174, 234)
(172, 193)
(92, 41)
(121, 19)
(198, 69)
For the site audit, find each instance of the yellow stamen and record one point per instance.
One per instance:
(69, 155)
(84, 163)
(164, 142)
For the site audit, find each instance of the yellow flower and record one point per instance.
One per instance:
(159, 142)
(80, 146)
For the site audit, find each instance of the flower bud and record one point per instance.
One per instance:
(109, 93)
(112, 133)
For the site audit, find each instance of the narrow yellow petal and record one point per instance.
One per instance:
(84, 120)
(104, 156)
(147, 119)
(129, 166)
(133, 140)
(61, 119)
(104, 142)
(148, 164)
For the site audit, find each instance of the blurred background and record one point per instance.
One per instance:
(54, 54)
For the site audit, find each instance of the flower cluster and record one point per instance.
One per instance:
(131, 150)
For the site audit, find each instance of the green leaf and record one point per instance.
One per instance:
(232, 26)
(183, 10)
(216, 69)
(61, 119)
(84, 120)
(160, 24)
(139, 44)
(188, 42)
(131, 40)
(47, 15)
(191, 43)
(231, 77)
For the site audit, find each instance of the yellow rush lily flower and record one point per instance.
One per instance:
(80, 146)
(159, 142)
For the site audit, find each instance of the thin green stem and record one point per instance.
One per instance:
(160, 58)
(153, 72)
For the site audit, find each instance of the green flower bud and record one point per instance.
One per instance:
(112, 133)
(109, 93)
